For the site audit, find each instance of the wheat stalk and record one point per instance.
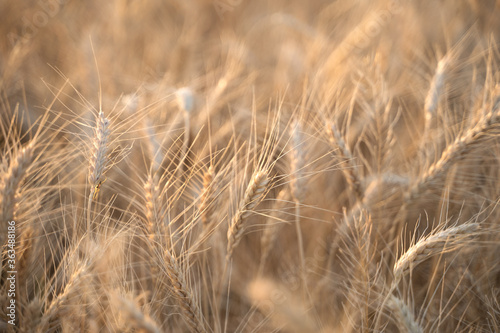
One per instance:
(253, 195)
(271, 230)
(297, 187)
(297, 163)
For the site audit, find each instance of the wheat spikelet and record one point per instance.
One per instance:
(404, 316)
(155, 229)
(12, 178)
(99, 158)
(351, 172)
(253, 194)
(206, 198)
(438, 243)
(183, 294)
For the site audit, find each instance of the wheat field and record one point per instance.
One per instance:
(250, 166)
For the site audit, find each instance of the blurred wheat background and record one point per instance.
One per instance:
(251, 166)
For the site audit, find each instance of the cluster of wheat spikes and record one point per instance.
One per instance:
(250, 166)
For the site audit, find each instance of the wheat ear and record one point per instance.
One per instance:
(99, 158)
(404, 316)
(32, 316)
(98, 161)
(487, 127)
(438, 243)
(182, 292)
(12, 178)
(155, 229)
(206, 198)
(253, 195)
(351, 171)
(60, 300)
(435, 91)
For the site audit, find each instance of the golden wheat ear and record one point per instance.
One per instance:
(183, 294)
(253, 195)
(12, 178)
(436, 91)
(206, 198)
(404, 317)
(438, 243)
(99, 154)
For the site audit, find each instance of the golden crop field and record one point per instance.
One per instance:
(250, 166)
